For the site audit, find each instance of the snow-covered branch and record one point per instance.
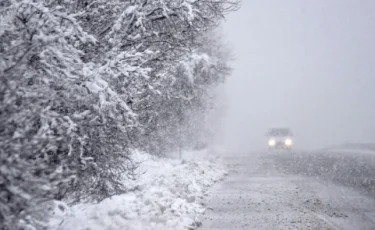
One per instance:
(84, 82)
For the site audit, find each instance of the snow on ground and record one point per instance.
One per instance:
(168, 197)
(352, 148)
(352, 151)
(261, 196)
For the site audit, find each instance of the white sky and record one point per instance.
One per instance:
(307, 65)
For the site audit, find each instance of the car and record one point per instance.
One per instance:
(280, 138)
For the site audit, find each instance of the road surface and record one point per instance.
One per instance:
(295, 191)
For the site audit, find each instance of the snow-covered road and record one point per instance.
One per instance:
(293, 191)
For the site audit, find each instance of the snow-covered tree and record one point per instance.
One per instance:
(186, 97)
(83, 82)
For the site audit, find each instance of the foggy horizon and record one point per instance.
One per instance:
(304, 65)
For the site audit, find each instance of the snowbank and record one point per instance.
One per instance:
(353, 148)
(168, 197)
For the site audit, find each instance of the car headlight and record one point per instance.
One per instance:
(271, 142)
(288, 142)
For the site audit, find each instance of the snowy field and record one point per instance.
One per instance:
(168, 195)
(352, 148)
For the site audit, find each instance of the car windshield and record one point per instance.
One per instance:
(282, 132)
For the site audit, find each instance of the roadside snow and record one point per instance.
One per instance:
(352, 148)
(168, 197)
(351, 151)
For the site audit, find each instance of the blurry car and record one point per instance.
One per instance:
(280, 138)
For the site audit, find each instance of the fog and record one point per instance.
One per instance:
(306, 65)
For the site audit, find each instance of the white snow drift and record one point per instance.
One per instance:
(168, 196)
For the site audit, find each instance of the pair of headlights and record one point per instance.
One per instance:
(287, 142)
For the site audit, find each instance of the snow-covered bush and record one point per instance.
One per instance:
(168, 195)
(82, 82)
(39, 93)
